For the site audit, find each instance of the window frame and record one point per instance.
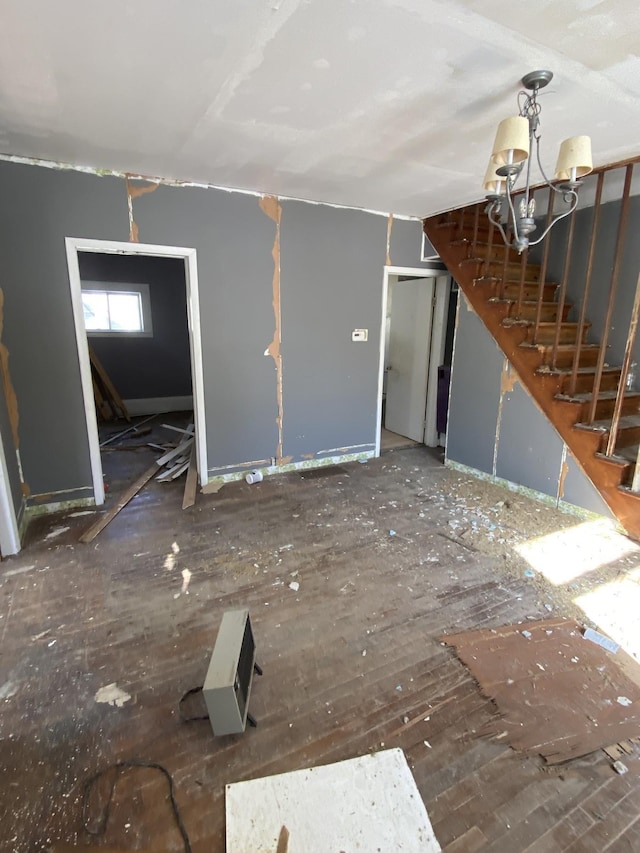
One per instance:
(141, 288)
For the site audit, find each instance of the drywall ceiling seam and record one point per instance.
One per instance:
(174, 182)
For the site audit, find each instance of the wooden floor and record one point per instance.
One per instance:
(349, 659)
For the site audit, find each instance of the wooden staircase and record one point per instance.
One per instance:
(507, 294)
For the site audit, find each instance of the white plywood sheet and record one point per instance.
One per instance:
(369, 805)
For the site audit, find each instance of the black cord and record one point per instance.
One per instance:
(184, 719)
(120, 767)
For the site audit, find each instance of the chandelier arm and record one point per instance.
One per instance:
(494, 207)
(513, 213)
(546, 179)
(574, 204)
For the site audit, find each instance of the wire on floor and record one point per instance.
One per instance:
(120, 767)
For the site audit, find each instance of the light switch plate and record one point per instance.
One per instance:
(360, 335)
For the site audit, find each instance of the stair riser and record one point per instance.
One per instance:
(547, 336)
(628, 437)
(604, 408)
(548, 314)
(588, 358)
(482, 251)
(529, 293)
(514, 270)
(584, 384)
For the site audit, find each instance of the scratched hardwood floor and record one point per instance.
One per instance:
(347, 659)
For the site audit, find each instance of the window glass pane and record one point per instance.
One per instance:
(96, 312)
(125, 312)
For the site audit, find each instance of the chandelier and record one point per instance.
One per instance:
(512, 153)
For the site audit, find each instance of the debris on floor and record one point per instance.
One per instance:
(557, 695)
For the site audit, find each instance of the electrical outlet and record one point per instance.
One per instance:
(360, 335)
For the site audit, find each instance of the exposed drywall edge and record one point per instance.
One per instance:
(548, 500)
(159, 405)
(564, 470)
(135, 192)
(216, 483)
(508, 379)
(35, 511)
(174, 182)
(389, 230)
(273, 209)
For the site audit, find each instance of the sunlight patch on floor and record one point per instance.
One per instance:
(568, 554)
(615, 608)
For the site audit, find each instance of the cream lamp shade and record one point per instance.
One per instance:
(575, 153)
(493, 183)
(512, 135)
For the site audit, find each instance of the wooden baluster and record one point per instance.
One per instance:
(622, 229)
(563, 290)
(543, 267)
(628, 352)
(587, 284)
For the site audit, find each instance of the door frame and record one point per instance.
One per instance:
(440, 312)
(9, 531)
(111, 247)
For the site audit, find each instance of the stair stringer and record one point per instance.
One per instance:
(604, 474)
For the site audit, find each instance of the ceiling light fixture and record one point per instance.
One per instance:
(512, 149)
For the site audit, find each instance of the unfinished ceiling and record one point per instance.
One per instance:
(382, 104)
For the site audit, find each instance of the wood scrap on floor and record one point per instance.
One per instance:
(109, 402)
(559, 695)
(175, 461)
(191, 481)
(135, 429)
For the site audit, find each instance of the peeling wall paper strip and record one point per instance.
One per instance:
(135, 192)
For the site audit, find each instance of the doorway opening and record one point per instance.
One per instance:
(137, 320)
(418, 316)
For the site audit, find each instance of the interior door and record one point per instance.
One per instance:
(408, 356)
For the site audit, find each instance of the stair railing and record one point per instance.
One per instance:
(622, 386)
(613, 286)
(573, 381)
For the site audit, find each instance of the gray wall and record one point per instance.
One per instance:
(496, 428)
(331, 278)
(159, 366)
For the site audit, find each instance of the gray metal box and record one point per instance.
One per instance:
(228, 683)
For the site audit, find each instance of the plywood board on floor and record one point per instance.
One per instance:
(559, 695)
(367, 804)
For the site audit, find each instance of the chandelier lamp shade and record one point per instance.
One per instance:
(517, 142)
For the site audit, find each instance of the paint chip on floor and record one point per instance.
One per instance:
(111, 694)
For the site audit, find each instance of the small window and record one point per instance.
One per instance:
(115, 309)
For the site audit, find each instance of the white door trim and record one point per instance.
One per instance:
(415, 272)
(75, 245)
(9, 533)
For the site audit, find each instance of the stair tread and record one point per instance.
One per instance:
(603, 395)
(561, 347)
(604, 424)
(582, 371)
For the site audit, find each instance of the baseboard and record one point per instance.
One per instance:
(216, 481)
(541, 497)
(159, 405)
(44, 504)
